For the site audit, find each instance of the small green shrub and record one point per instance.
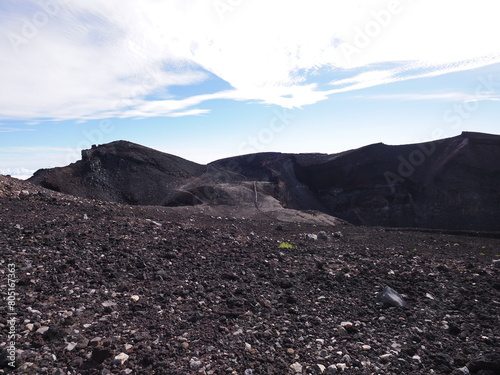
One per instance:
(286, 245)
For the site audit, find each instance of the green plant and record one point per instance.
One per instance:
(285, 245)
(482, 254)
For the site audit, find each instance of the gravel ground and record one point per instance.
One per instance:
(113, 289)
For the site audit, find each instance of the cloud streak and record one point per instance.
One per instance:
(88, 59)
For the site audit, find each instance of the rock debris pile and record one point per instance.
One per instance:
(114, 289)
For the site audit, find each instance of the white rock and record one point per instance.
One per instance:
(318, 368)
(135, 298)
(71, 346)
(42, 330)
(121, 358)
(296, 367)
(341, 366)
(195, 364)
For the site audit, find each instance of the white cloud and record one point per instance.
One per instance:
(90, 59)
(22, 162)
(5, 129)
(448, 96)
(20, 173)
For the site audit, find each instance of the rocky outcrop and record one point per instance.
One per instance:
(123, 172)
(446, 184)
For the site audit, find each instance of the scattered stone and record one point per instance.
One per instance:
(322, 236)
(296, 367)
(42, 330)
(316, 369)
(53, 333)
(346, 358)
(338, 235)
(331, 370)
(82, 343)
(487, 362)
(462, 371)
(135, 298)
(290, 351)
(249, 372)
(430, 296)
(71, 346)
(496, 263)
(349, 327)
(342, 331)
(341, 366)
(366, 347)
(389, 297)
(99, 355)
(385, 357)
(195, 364)
(120, 359)
(95, 341)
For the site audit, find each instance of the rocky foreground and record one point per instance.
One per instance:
(105, 288)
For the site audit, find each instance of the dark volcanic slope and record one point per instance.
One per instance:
(121, 172)
(451, 183)
(112, 289)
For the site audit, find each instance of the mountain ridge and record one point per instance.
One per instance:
(444, 184)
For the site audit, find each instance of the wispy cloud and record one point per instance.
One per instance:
(21, 173)
(88, 59)
(6, 129)
(448, 97)
(20, 149)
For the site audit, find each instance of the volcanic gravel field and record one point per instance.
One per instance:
(105, 288)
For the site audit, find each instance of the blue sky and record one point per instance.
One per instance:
(207, 79)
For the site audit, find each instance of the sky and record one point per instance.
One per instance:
(208, 79)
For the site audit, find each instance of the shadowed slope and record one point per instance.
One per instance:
(448, 184)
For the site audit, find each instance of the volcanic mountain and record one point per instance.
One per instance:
(445, 184)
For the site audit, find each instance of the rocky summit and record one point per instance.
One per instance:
(110, 288)
(446, 184)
